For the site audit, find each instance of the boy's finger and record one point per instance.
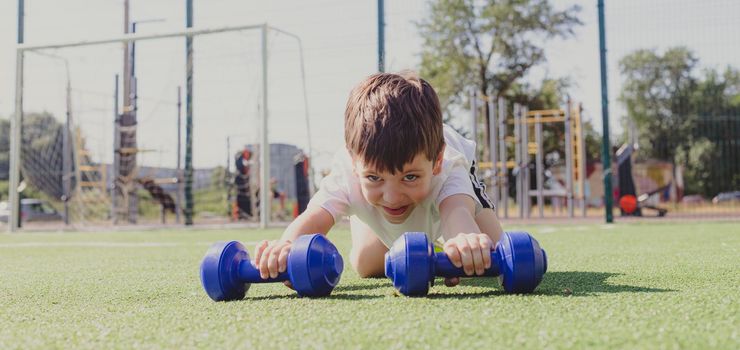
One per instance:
(259, 248)
(485, 247)
(466, 256)
(272, 262)
(264, 270)
(283, 259)
(477, 256)
(288, 284)
(452, 281)
(454, 255)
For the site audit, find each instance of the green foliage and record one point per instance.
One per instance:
(212, 201)
(487, 46)
(699, 160)
(42, 153)
(218, 177)
(209, 202)
(593, 141)
(657, 92)
(41, 160)
(148, 207)
(718, 93)
(683, 116)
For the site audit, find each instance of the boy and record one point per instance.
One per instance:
(402, 170)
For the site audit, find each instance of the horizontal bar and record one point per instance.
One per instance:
(487, 165)
(91, 167)
(541, 120)
(138, 37)
(92, 184)
(546, 112)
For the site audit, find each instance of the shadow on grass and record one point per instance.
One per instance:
(463, 295)
(375, 283)
(584, 283)
(556, 283)
(333, 296)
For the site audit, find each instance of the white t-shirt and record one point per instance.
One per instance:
(340, 193)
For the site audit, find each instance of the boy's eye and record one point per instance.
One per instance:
(410, 178)
(372, 178)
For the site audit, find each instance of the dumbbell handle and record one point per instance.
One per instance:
(249, 273)
(443, 267)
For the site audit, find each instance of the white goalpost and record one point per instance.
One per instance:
(266, 193)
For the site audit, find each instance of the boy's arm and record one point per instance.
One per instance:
(457, 213)
(465, 244)
(271, 257)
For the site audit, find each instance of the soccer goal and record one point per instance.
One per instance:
(202, 125)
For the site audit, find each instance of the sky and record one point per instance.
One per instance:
(339, 39)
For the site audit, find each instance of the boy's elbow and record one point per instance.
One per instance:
(365, 272)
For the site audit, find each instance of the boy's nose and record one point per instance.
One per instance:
(392, 197)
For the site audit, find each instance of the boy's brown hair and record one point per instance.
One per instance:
(391, 118)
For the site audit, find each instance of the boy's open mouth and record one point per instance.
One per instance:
(397, 211)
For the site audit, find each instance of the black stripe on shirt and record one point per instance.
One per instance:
(479, 188)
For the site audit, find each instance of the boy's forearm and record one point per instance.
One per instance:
(459, 220)
(489, 224)
(457, 215)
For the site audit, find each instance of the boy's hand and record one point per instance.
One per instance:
(471, 252)
(271, 258)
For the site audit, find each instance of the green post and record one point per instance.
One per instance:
(381, 36)
(21, 20)
(16, 126)
(189, 119)
(605, 145)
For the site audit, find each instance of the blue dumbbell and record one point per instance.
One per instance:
(314, 268)
(412, 264)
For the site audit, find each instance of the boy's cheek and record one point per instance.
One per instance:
(366, 194)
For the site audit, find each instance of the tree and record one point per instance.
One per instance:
(712, 157)
(685, 117)
(718, 93)
(657, 93)
(487, 45)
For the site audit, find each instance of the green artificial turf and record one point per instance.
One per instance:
(624, 286)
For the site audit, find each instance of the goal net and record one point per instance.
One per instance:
(104, 130)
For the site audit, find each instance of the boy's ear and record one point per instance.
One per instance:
(354, 165)
(438, 163)
(355, 161)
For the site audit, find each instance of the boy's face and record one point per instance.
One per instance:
(396, 195)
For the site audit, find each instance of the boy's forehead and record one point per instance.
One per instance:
(419, 161)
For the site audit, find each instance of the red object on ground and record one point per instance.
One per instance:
(234, 211)
(628, 203)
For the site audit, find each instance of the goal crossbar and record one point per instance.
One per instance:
(141, 37)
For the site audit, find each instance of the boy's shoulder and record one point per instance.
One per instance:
(458, 146)
(456, 141)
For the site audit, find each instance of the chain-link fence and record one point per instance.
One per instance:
(675, 88)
